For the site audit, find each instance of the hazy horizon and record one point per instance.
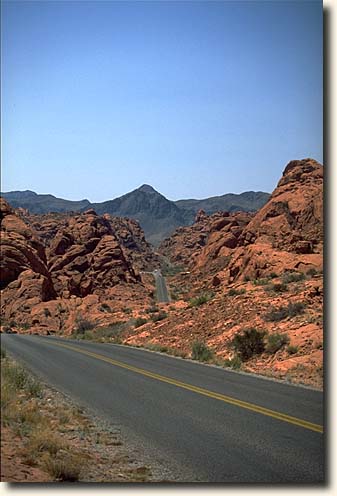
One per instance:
(197, 99)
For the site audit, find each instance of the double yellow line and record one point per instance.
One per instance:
(205, 392)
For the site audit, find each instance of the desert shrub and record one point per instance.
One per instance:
(65, 469)
(200, 300)
(296, 308)
(200, 351)
(248, 343)
(45, 441)
(235, 292)
(46, 312)
(260, 282)
(112, 332)
(156, 347)
(246, 278)
(235, 362)
(105, 308)
(292, 349)
(127, 310)
(279, 313)
(140, 321)
(15, 376)
(272, 275)
(276, 341)
(292, 277)
(152, 309)
(83, 325)
(279, 287)
(312, 272)
(159, 316)
(172, 270)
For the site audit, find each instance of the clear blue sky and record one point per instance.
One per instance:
(195, 98)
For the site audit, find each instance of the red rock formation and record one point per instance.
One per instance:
(287, 233)
(21, 249)
(74, 258)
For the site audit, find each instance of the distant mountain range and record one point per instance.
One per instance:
(157, 215)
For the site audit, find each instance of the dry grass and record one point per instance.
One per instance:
(64, 469)
(57, 437)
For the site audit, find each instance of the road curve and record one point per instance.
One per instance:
(205, 423)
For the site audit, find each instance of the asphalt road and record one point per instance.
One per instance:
(162, 292)
(204, 423)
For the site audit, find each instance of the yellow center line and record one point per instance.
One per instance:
(205, 392)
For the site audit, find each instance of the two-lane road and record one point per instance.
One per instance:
(204, 423)
(162, 291)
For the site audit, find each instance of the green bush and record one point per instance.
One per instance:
(200, 300)
(140, 321)
(111, 333)
(260, 282)
(18, 379)
(292, 349)
(276, 341)
(201, 352)
(235, 292)
(292, 277)
(277, 314)
(248, 343)
(105, 308)
(83, 325)
(279, 287)
(235, 362)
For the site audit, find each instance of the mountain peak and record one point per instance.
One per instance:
(147, 188)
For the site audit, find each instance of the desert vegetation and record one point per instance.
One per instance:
(201, 352)
(55, 440)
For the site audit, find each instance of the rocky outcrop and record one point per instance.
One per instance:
(49, 262)
(21, 248)
(287, 233)
(207, 244)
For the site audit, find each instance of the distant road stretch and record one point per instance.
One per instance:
(162, 291)
(202, 423)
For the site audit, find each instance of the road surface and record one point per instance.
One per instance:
(205, 423)
(162, 292)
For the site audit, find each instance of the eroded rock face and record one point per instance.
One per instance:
(287, 233)
(65, 259)
(292, 219)
(21, 248)
(207, 244)
(85, 256)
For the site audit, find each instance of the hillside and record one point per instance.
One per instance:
(43, 204)
(157, 215)
(246, 202)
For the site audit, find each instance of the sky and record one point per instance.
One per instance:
(196, 98)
